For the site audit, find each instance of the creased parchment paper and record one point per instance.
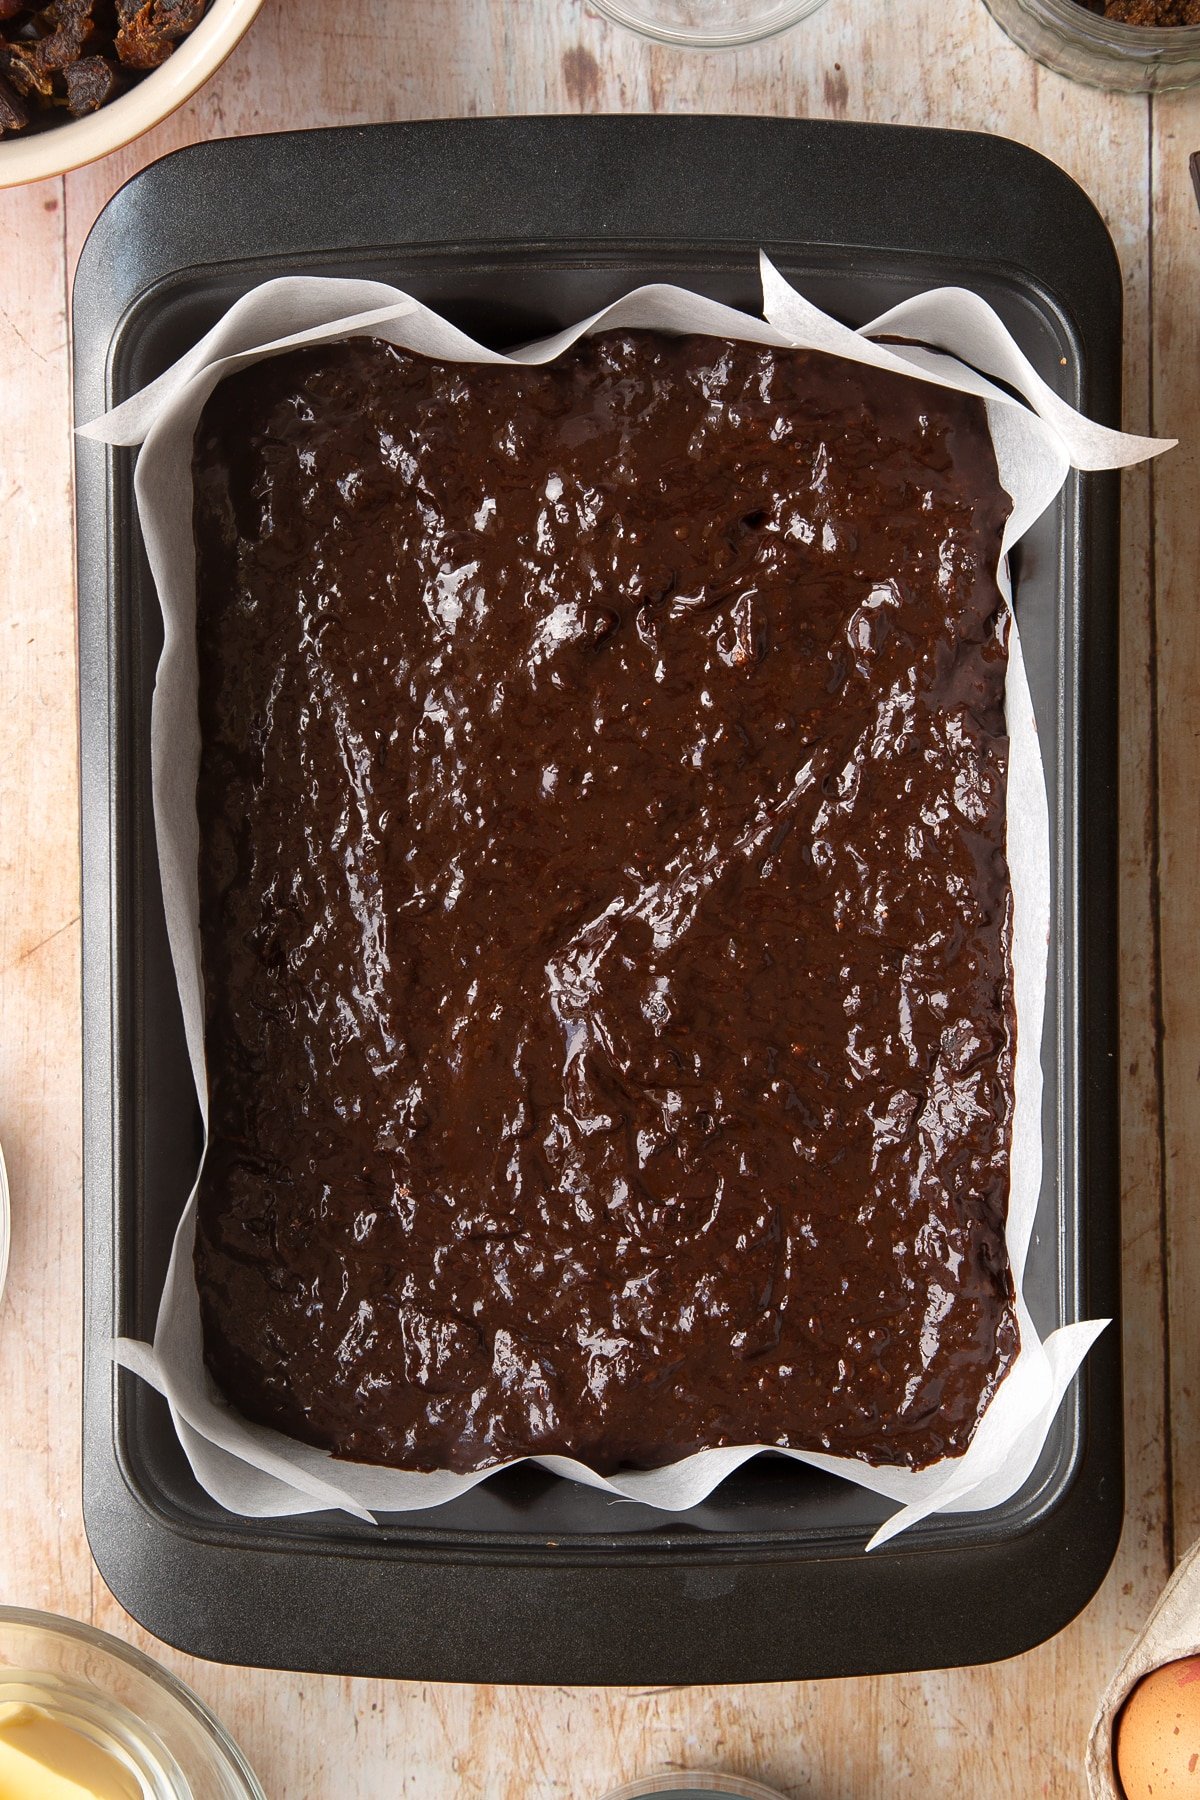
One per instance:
(259, 1472)
(1171, 1631)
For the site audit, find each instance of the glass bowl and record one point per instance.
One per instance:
(1129, 59)
(707, 24)
(153, 1726)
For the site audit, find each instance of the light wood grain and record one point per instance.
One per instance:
(1176, 401)
(1017, 1729)
(39, 912)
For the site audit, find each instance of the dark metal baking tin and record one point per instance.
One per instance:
(513, 227)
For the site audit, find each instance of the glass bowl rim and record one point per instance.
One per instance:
(683, 37)
(59, 1625)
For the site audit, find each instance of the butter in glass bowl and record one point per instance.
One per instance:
(84, 1716)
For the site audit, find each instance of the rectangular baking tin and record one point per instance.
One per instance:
(513, 228)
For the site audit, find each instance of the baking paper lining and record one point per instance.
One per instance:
(257, 1472)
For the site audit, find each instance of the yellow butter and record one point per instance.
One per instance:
(43, 1759)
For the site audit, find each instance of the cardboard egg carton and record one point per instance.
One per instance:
(1172, 1631)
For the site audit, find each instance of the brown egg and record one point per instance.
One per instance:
(1158, 1734)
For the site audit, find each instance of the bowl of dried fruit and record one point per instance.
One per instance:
(1130, 46)
(79, 78)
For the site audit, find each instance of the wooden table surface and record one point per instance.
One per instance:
(1017, 1728)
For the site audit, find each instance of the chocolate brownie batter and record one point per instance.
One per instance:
(604, 906)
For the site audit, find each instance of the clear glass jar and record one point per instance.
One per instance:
(1130, 59)
(150, 1724)
(707, 24)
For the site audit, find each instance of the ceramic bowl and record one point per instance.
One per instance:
(34, 155)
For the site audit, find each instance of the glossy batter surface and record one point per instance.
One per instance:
(604, 906)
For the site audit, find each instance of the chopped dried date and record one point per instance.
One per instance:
(147, 37)
(57, 13)
(22, 64)
(67, 26)
(180, 16)
(10, 8)
(14, 114)
(90, 82)
(60, 36)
